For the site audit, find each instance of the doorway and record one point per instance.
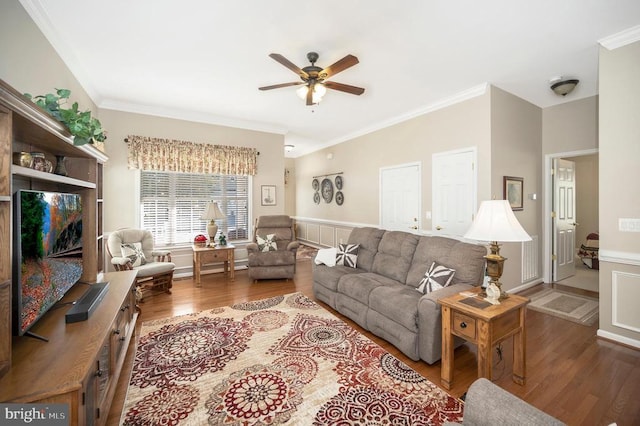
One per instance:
(586, 217)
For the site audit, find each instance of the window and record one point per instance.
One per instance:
(171, 205)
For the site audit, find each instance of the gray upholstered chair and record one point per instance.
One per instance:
(272, 254)
(487, 404)
(133, 249)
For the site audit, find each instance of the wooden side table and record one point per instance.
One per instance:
(485, 327)
(218, 254)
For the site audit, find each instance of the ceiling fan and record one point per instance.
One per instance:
(314, 78)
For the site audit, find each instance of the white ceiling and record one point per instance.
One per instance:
(204, 60)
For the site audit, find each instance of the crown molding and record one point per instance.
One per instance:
(623, 38)
(470, 93)
(194, 116)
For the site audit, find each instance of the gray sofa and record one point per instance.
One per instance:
(487, 404)
(380, 293)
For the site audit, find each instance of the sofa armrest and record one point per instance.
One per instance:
(488, 404)
(434, 296)
(252, 248)
(293, 245)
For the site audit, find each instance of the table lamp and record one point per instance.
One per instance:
(495, 222)
(211, 213)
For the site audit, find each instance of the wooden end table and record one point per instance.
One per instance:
(218, 254)
(485, 327)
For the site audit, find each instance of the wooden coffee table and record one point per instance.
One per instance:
(217, 254)
(486, 327)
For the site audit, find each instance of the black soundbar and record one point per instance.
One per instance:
(88, 303)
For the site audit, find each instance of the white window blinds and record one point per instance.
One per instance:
(171, 205)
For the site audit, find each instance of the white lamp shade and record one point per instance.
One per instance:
(212, 212)
(495, 221)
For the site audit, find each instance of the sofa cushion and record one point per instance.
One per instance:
(467, 260)
(398, 303)
(395, 254)
(266, 243)
(358, 286)
(329, 276)
(347, 255)
(368, 238)
(437, 276)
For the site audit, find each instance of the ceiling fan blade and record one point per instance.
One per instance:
(344, 63)
(287, 63)
(277, 86)
(310, 93)
(344, 87)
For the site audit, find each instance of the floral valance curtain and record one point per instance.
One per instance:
(168, 155)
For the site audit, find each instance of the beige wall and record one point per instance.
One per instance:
(619, 196)
(569, 127)
(462, 125)
(29, 63)
(516, 139)
(121, 205)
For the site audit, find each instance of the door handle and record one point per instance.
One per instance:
(413, 227)
(439, 228)
(575, 224)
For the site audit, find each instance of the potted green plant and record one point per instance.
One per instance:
(84, 128)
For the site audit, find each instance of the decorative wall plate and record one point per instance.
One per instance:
(339, 198)
(316, 197)
(315, 184)
(338, 181)
(327, 190)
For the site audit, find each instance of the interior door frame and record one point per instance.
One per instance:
(547, 220)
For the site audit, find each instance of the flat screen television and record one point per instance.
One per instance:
(47, 256)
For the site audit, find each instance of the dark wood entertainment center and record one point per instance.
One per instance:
(82, 361)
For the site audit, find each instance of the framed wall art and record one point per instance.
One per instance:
(268, 195)
(513, 192)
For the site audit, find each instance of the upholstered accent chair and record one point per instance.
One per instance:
(272, 254)
(133, 249)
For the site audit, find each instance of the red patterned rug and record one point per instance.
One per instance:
(283, 359)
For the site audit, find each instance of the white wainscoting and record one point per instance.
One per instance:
(625, 289)
(324, 233)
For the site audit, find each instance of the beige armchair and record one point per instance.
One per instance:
(272, 254)
(132, 249)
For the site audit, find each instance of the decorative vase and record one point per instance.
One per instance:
(61, 169)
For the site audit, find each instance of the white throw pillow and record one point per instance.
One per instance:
(326, 256)
(134, 252)
(347, 255)
(438, 276)
(267, 243)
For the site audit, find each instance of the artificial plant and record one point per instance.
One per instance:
(84, 128)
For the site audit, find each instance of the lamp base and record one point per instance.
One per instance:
(212, 230)
(495, 266)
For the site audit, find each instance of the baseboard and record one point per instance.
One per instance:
(616, 338)
(526, 286)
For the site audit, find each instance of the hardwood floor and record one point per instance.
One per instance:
(571, 374)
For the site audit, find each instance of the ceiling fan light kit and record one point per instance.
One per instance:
(314, 84)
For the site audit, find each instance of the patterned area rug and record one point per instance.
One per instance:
(305, 252)
(573, 307)
(283, 359)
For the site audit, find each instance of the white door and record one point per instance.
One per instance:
(564, 222)
(400, 197)
(453, 192)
